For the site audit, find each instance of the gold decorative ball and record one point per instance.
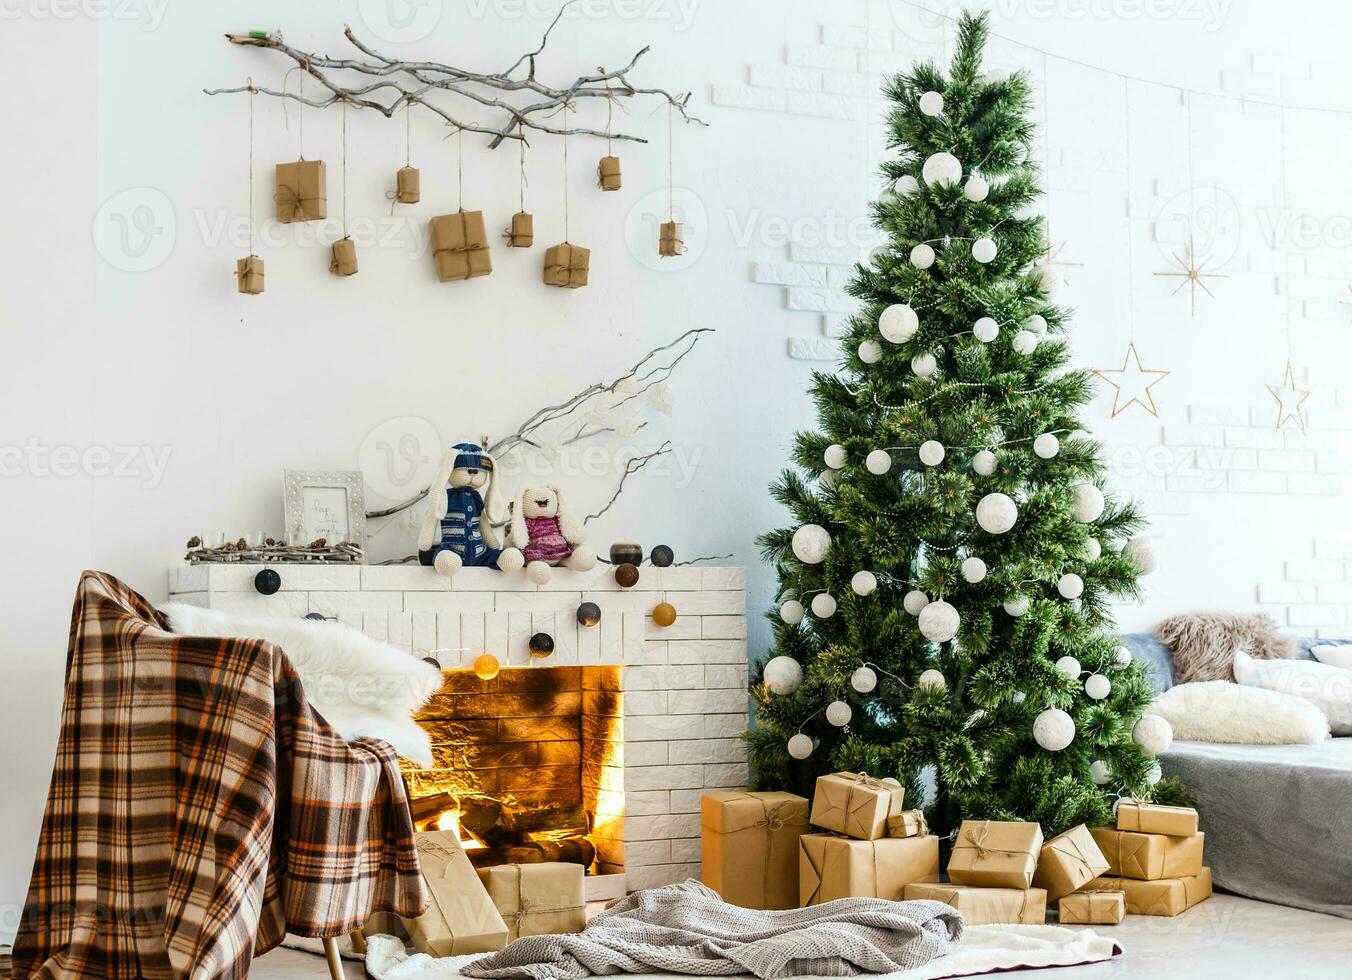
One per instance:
(664, 614)
(486, 667)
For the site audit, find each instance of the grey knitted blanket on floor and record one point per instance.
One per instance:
(687, 928)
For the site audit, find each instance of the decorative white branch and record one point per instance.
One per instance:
(631, 467)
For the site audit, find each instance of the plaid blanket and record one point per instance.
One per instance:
(200, 809)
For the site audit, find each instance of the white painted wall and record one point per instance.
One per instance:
(236, 388)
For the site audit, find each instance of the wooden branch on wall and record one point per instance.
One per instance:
(392, 84)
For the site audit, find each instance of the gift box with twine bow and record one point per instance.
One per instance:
(1068, 861)
(408, 185)
(249, 275)
(855, 804)
(1149, 856)
(908, 823)
(832, 867)
(1165, 896)
(302, 191)
(669, 241)
(537, 899)
(608, 174)
(460, 246)
(343, 261)
(1153, 818)
(995, 853)
(522, 232)
(567, 265)
(986, 906)
(1092, 909)
(749, 847)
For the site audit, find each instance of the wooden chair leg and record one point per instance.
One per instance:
(335, 961)
(359, 943)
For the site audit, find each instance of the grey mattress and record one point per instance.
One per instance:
(1278, 818)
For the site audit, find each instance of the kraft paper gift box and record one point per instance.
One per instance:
(995, 853)
(986, 906)
(855, 804)
(831, 867)
(669, 239)
(537, 899)
(1150, 856)
(460, 246)
(608, 174)
(461, 917)
(567, 265)
(249, 275)
(344, 259)
(302, 191)
(1092, 909)
(1068, 861)
(408, 185)
(1164, 896)
(522, 232)
(749, 847)
(1151, 818)
(908, 823)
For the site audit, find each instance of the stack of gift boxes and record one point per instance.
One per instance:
(760, 851)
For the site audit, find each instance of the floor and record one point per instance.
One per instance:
(1224, 938)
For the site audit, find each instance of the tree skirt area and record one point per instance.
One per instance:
(984, 949)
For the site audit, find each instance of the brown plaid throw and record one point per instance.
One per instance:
(200, 809)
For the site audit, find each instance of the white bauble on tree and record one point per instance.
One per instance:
(1087, 504)
(1092, 549)
(792, 611)
(905, 185)
(1097, 687)
(1025, 342)
(782, 675)
(931, 452)
(1142, 554)
(1046, 445)
(931, 103)
(973, 569)
(1036, 325)
(800, 746)
(1070, 667)
(834, 456)
(811, 542)
(914, 602)
(932, 678)
(1016, 606)
(898, 323)
(939, 622)
(976, 189)
(942, 169)
(1152, 733)
(922, 256)
(878, 462)
(839, 713)
(890, 781)
(996, 513)
(924, 365)
(986, 329)
(870, 351)
(1100, 772)
(983, 463)
(1122, 656)
(864, 680)
(1054, 730)
(1070, 585)
(1154, 774)
(984, 250)
(827, 479)
(863, 583)
(823, 605)
(1048, 278)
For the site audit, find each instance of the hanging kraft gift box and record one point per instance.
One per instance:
(567, 265)
(1165, 896)
(986, 906)
(855, 804)
(344, 259)
(460, 246)
(537, 899)
(461, 917)
(1152, 818)
(408, 185)
(302, 191)
(995, 853)
(522, 232)
(1092, 909)
(249, 274)
(669, 239)
(1150, 856)
(1068, 861)
(608, 174)
(832, 867)
(749, 847)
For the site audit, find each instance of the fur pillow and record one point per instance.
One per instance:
(1218, 711)
(1329, 688)
(1202, 645)
(363, 688)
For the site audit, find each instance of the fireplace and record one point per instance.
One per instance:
(527, 766)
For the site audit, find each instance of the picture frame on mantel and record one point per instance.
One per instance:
(329, 504)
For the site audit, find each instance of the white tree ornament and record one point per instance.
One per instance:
(1097, 687)
(1100, 772)
(782, 675)
(1024, 342)
(1046, 445)
(1152, 733)
(976, 189)
(878, 462)
(1142, 554)
(1092, 549)
(924, 365)
(1016, 606)
(864, 680)
(986, 329)
(941, 168)
(1036, 325)
(914, 601)
(811, 542)
(1154, 774)
(839, 713)
(1054, 730)
(932, 678)
(939, 622)
(800, 746)
(792, 611)
(870, 351)
(1087, 505)
(931, 103)
(905, 185)
(973, 569)
(1070, 667)
(1070, 585)
(863, 583)
(922, 256)
(823, 605)
(898, 323)
(984, 249)
(931, 452)
(996, 513)
(827, 479)
(834, 456)
(1122, 656)
(983, 463)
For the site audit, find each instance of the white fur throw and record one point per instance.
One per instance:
(362, 687)
(1329, 688)
(1218, 711)
(1333, 654)
(1202, 645)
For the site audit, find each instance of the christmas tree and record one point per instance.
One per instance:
(945, 586)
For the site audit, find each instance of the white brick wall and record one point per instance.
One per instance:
(685, 700)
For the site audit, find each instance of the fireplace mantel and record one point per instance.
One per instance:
(684, 702)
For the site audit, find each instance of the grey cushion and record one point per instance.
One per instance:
(1147, 648)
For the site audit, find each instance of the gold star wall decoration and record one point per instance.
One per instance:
(1290, 400)
(1133, 383)
(1192, 272)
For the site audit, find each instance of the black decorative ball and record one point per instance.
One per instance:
(317, 617)
(541, 645)
(588, 614)
(626, 554)
(663, 556)
(267, 581)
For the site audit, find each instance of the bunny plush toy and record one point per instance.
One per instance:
(458, 528)
(546, 533)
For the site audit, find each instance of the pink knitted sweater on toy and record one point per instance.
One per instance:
(547, 543)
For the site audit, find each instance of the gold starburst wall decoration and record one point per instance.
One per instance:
(1192, 273)
(1132, 383)
(1290, 400)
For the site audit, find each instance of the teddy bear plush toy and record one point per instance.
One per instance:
(458, 528)
(547, 534)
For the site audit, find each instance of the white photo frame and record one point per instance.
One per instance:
(329, 504)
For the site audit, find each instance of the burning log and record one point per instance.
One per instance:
(574, 850)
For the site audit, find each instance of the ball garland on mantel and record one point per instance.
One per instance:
(662, 556)
(811, 542)
(782, 675)
(588, 614)
(1054, 730)
(486, 667)
(541, 646)
(664, 614)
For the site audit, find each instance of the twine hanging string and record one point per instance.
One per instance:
(393, 196)
(303, 67)
(565, 172)
(253, 92)
(344, 182)
(522, 147)
(671, 187)
(459, 135)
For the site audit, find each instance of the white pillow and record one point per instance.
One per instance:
(1333, 654)
(1218, 711)
(1328, 687)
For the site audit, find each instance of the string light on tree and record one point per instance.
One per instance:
(782, 675)
(898, 323)
(1097, 687)
(942, 169)
(996, 513)
(870, 351)
(924, 365)
(800, 746)
(931, 452)
(1070, 585)
(1142, 554)
(863, 583)
(1025, 342)
(914, 602)
(811, 542)
(976, 189)
(1036, 324)
(792, 611)
(922, 256)
(939, 622)
(973, 569)
(932, 679)
(1046, 446)
(839, 713)
(1122, 656)
(1053, 729)
(1087, 504)
(864, 680)
(986, 329)
(1152, 733)
(834, 456)
(905, 185)
(1070, 667)
(983, 463)
(1017, 606)
(931, 103)
(823, 605)
(984, 250)
(878, 462)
